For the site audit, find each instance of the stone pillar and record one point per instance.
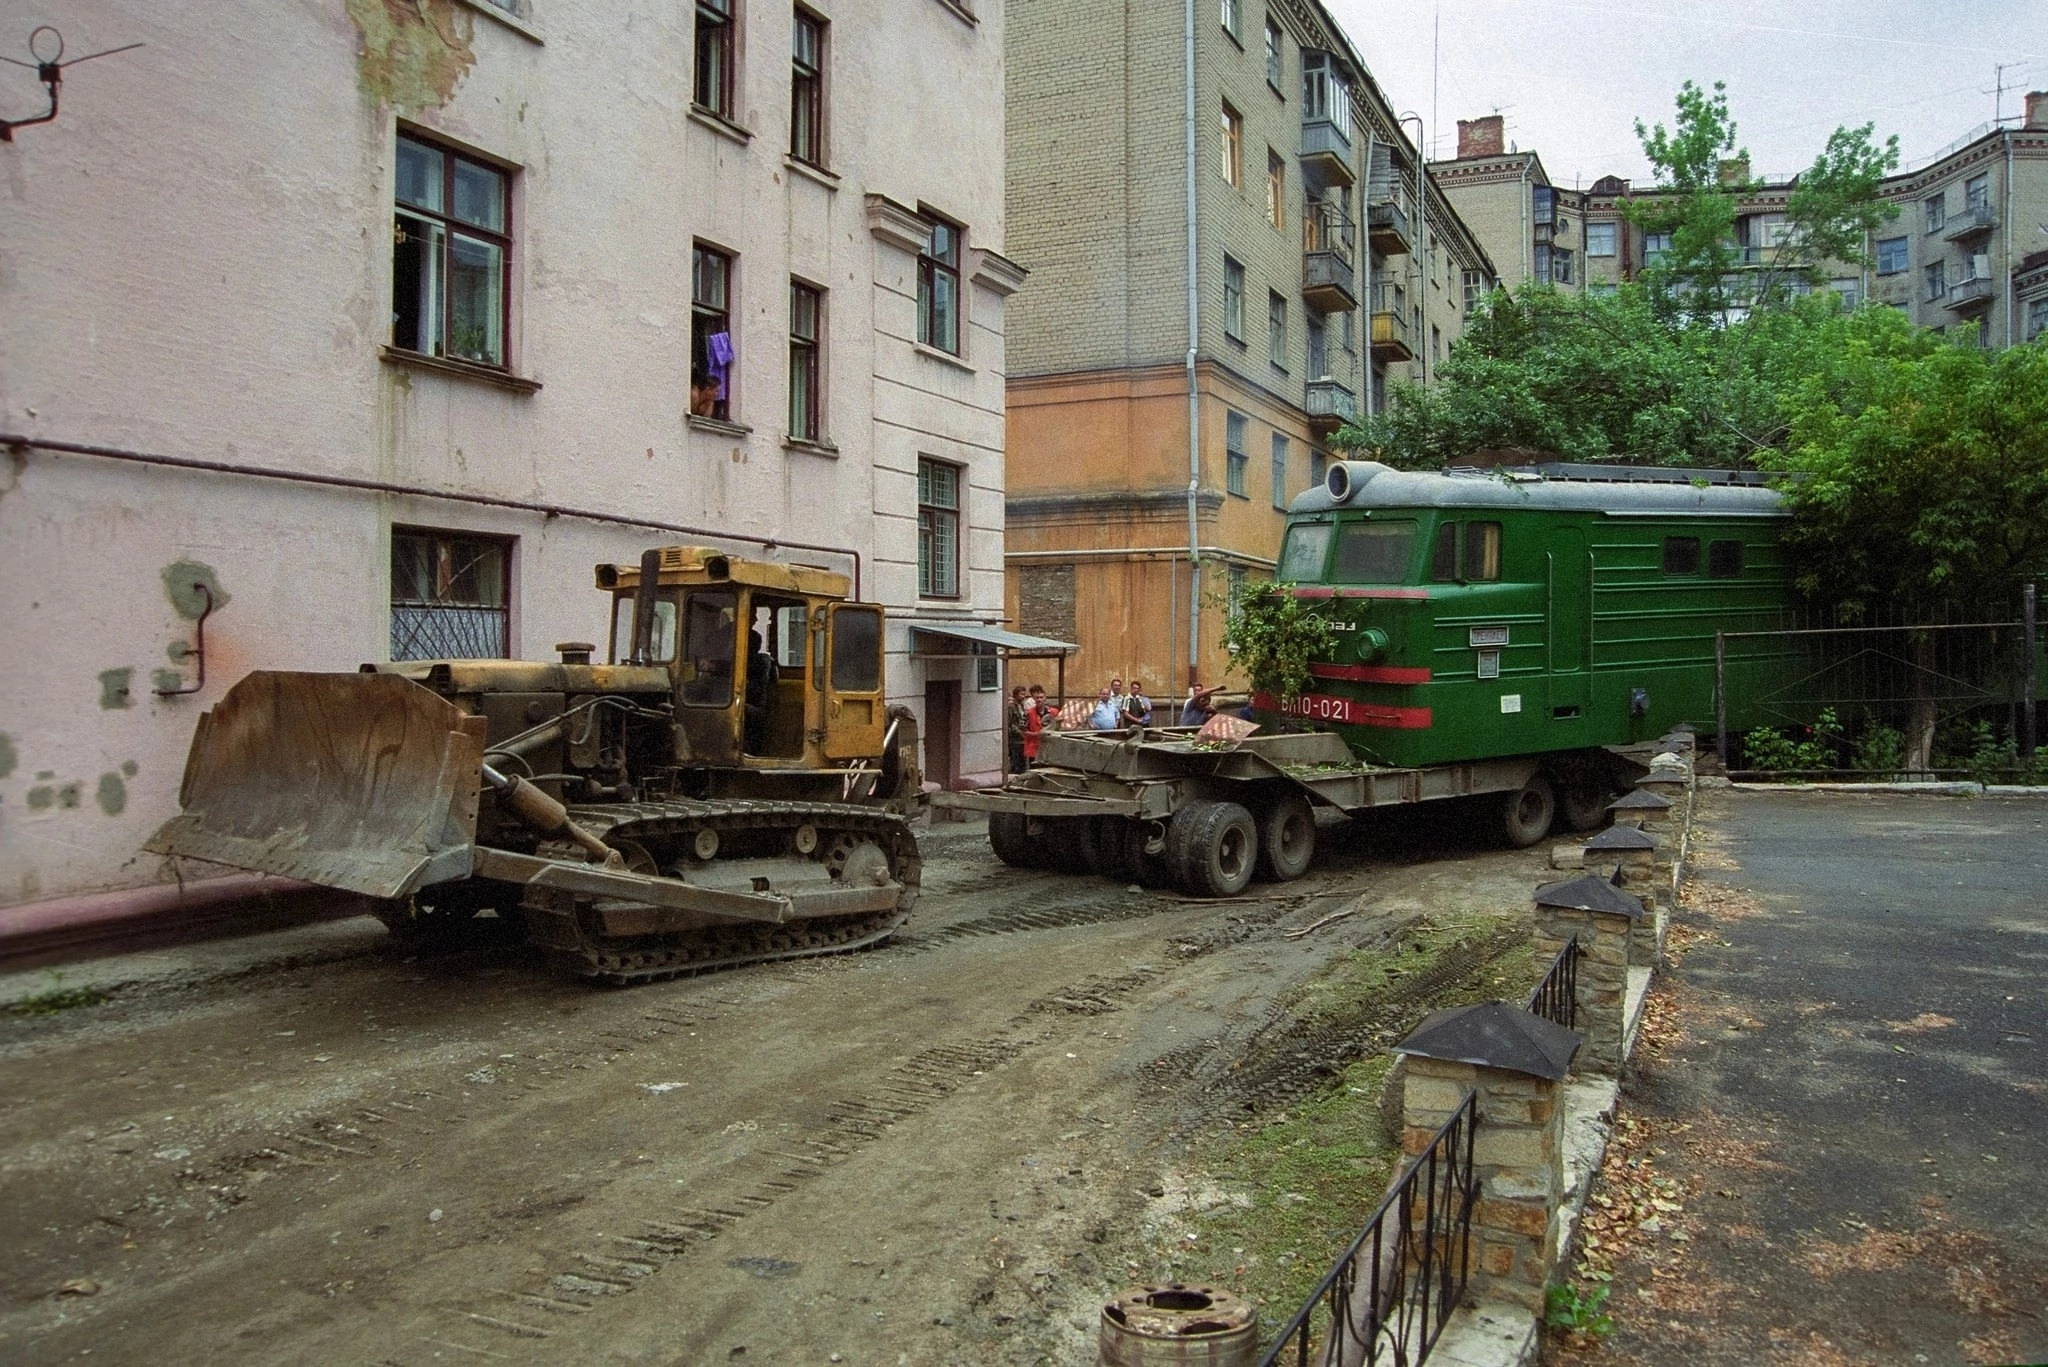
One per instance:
(1603, 917)
(1516, 1063)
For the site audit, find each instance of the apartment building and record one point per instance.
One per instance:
(1955, 256)
(446, 302)
(1530, 228)
(1227, 264)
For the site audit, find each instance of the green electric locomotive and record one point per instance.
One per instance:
(1545, 611)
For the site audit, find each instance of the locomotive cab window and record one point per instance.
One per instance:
(1306, 550)
(1724, 560)
(1681, 555)
(1482, 552)
(1374, 552)
(1443, 558)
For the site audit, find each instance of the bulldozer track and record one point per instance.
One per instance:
(651, 958)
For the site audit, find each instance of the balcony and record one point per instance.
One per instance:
(1387, 228)
(1330, 406)
(1973, 293)
(1329, 259)
(1390, 337)
(1326, 153)
(1976, 220)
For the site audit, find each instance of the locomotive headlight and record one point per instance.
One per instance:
(1372, 643)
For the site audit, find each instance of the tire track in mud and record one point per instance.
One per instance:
(616, 1264)
(1284, 1057)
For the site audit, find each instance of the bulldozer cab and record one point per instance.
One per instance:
(771, 667)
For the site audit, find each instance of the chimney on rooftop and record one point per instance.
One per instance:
(2037, 111)
(1486, 137)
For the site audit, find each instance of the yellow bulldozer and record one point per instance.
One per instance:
(730, 786)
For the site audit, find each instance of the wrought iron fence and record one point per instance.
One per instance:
(1886, 695)
(1389, 1296)
(1556, 998)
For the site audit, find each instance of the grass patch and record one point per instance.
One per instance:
(1358, 983)
(56, 999)
(1266, 1211)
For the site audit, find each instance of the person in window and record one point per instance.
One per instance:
(761, 673)
(1108, 713)
(703, 395)
(1137, 707)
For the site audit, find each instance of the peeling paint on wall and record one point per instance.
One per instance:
(114, 688)
(413, 52)
(180, 579)
(165, 680)
(8, 759)
(130, 768)
(112, 794)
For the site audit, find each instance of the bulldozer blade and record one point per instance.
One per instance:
(364, 782)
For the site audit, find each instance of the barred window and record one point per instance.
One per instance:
(448, 595)
(938, 529)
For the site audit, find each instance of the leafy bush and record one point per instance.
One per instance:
(1775, 751)
(1274, 637)
(1880, 752)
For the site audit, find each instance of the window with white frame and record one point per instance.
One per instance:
(1935, 274)
(1475, 290)
(938, 288)
(451, 254)
(938, 529)
(1600, 239)
(712, 88)
(1233, 299)
(1235, 459)
(1977, 193)
(1280, 445)
(1275, 56)
(1276, 328)
(1891, 255)
(1935, 206)
(1233, 18)
(2037, 317)
(1656, 246)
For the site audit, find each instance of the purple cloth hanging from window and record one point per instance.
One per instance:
(719, 345)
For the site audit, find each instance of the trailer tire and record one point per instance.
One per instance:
(1212, 848)
(1527, 812)
(1011, 840)
(1064, 845)
(1287, 839)
(1582, 805)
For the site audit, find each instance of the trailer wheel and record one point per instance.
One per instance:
(1212, 848)
(1064, 845)
(1582, 806)
(1526, 814)
(1010, 840)
(1287, 839)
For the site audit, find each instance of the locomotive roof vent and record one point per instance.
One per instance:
(1348, 476)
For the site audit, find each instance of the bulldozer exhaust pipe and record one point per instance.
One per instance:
(543, 813)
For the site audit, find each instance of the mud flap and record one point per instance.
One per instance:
(364, 782)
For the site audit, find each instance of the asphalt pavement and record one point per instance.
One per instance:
(1855, 1089)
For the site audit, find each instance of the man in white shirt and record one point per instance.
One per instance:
(1108, 713)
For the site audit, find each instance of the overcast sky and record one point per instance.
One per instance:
(1572, 78)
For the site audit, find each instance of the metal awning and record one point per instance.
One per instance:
(965, 640)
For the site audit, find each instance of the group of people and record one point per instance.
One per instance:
(1116, 707)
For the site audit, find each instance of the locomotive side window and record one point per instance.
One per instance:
(1482, 551)
(1443, 557)
(1724, 560)
(1307, 548)
(1374, 552)
(1681, 555)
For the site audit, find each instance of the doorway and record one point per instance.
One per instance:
(942, 732)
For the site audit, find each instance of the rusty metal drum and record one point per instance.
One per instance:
(1178, 1324)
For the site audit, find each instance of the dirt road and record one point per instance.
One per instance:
(929, 1153)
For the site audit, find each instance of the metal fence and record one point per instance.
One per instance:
(1556, 998)
(1389, 1296)
(1930, 694)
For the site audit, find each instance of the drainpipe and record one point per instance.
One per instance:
(2008, 304)
(1365, 204)
(1419, 263)
(1194, 399)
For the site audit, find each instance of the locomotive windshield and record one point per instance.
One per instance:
(1302, 557)
(1374, 553)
